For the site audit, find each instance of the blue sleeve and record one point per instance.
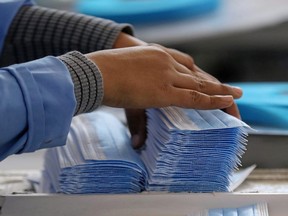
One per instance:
(8, 10)
(37, 106)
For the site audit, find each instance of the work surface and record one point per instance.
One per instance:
(263, 185)
(139, 204)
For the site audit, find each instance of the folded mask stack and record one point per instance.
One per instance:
(192, 150)
(186, 150)
(97, 158)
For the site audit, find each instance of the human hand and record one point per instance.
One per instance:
(125, 40)
(136, 117)
(233, 109)
(188, 61)
(148, 76)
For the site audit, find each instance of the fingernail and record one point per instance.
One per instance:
(238, 90)
(136, 141)
(227, 100)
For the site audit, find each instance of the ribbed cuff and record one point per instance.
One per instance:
(87, 79)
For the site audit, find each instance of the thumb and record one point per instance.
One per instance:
(136, 119)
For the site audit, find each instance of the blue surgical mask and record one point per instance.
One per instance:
(260, 209)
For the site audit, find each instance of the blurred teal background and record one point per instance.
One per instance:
(234, 40)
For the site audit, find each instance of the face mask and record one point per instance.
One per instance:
(260, 209)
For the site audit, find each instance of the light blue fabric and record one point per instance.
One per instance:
(192, 150)
(8, 9)
(98, 158)
(37, 98)
(260, 209)
(37, 105)
(186, 150)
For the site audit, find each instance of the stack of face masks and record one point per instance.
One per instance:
(97, 158)
(192, 150)
(186, 150)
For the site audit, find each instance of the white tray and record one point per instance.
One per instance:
(148, 204)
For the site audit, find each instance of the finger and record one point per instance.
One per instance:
(204, 74)
(233, 110)
(197, 100)
(197, 73)
(205, 86)
(136, 119)
(183, 69)
(180, 57)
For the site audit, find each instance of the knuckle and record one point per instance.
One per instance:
(213, 101)
(201, 84)
(189, 59)
(161, 53)
(154, 45)
(164, 55)
(197, 76)
(195, 97)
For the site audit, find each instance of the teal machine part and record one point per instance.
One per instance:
(145, 11)
(264, 104)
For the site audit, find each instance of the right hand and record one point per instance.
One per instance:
(149, 77)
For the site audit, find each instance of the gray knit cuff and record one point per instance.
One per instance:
(87, 79)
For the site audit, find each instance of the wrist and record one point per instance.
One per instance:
(126, 40)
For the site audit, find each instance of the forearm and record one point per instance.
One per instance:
(126, 40)
(36, 32)
(38, 106)
(41, 99)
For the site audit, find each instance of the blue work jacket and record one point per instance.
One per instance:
(37, 99)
